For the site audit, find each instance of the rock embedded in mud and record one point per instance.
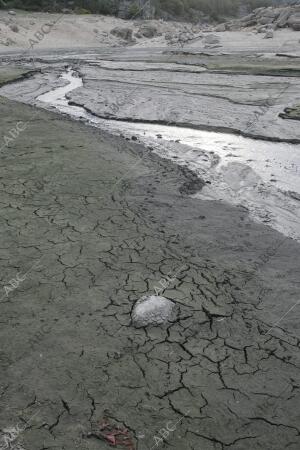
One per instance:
(153, 310)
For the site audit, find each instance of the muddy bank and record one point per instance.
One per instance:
(245, 104)
(95, 222)
(14, 74)
(259, 175)
(237, 93)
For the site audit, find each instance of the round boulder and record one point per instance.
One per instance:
(153, 310)
(123, 33)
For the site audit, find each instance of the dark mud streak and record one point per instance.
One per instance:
(20, 78)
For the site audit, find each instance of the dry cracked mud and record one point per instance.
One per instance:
(89, 224)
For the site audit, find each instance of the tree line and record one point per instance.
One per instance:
(178, 8)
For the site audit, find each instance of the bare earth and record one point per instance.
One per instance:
(91, 222)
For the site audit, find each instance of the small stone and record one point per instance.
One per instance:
(12, 13)
(153, 310)
(134, 138)
(269, 34)
(14, 28)
(261, 29)
(211, 39)
(220, 27)
(148, 31)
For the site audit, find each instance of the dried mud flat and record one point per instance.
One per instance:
(90, 223)
(98, 223)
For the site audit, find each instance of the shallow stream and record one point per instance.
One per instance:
(262, 176)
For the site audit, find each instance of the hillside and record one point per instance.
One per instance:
(193, 10)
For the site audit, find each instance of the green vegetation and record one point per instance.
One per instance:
(216, 9)
(213, 7)
(253, 4)
(79, 6)
(193, 9)
(134, 10)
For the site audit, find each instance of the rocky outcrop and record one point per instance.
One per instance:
(288, 16)
(183, 36)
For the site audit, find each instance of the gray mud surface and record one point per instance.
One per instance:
(240, 92)
(90, 223)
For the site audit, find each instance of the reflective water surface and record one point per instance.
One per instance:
(262, 176)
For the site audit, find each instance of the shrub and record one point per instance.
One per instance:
(134, 10)
(179, 8)
(82, 11)
(212, 7)
(253, 4)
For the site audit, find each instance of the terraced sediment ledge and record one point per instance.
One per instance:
(212, 128)
(11, 75)
(258, 174)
